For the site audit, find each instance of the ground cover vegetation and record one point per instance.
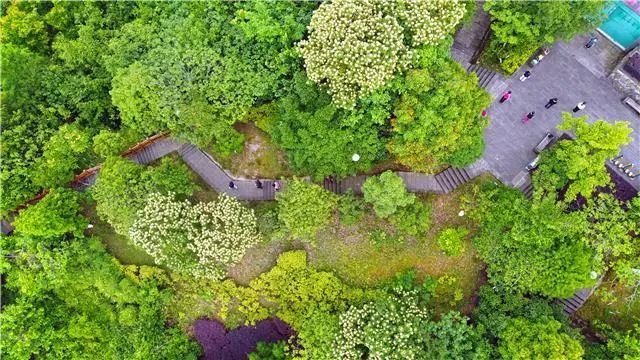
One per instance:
(386, 274)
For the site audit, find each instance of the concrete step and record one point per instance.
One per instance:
(449, 174)
(444, 183)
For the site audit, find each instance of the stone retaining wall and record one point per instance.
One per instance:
(623, 81)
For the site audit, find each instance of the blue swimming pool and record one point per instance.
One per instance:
(623, 23)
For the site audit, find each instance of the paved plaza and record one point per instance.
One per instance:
(571, 73)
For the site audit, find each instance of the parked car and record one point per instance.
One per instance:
(533, 163)
(544, 143)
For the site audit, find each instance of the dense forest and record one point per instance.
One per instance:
(151, 263)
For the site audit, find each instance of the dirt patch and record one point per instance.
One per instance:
(259, 157)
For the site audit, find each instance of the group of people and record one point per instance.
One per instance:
(276, 185)
(553, 101)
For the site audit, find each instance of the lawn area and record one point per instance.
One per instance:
(348, 251)
(608, 305)
(119, 246)
(259, 157)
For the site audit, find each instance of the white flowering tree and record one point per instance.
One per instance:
(393, 328)
(356, 46)
(201, 240)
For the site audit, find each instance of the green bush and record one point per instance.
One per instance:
(305, 208)
(352, 208)
(387, 193)
(112, 143)
(451, 241)
(413, 219)
(271, 351)
(64, 153)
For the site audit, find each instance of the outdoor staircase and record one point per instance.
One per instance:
(485, 76)
(451, 178)
(527, 188)
(353, 183)
(332, 185)
(571, 305)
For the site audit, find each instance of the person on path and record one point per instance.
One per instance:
(525, 76)
(592, 41)
(276, 185)
(551, 102)
(581, 105)
(505, 96)
(258, 184)
(232, 185)
(528, 117)
(484, 113)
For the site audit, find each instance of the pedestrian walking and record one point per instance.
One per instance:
(592, 41)
(581, 105)
(551, 102)
(276, 185)
(484, 113)
(525, 76)
(232, 185)
(528, 117)
(258, 184)
(505, 96)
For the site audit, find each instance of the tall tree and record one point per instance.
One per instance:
(55, 215)
(532, 247)
(579, 163)
(520, 27)
(438, 116)
(355, 47)
(73, 301)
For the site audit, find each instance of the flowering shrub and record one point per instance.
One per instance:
(201, 240)
(356, 46)
(389, 329)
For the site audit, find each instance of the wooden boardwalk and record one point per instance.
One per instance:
(218, 180)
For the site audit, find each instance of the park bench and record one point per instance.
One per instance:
(546, 140)
(632, 103)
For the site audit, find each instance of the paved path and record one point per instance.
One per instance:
(572, 74)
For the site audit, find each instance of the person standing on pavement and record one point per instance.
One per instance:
(581, 105)
(258, 184)
(505, 96)
(551, 102)
(525, 76)
(232, 185)
(528, 117)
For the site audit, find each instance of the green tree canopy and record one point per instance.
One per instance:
(580, 162)
(64, 154)
(73, 301)
(55, 215)
(520, 27)
(541, 339)
(532, 247)
(438, 116)
(305, 208)
(123, 186)
(387, 193)
(355, 47)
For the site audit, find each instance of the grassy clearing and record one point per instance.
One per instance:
(259, 157)
(348, 251)
(608, 305)
(119, 246)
